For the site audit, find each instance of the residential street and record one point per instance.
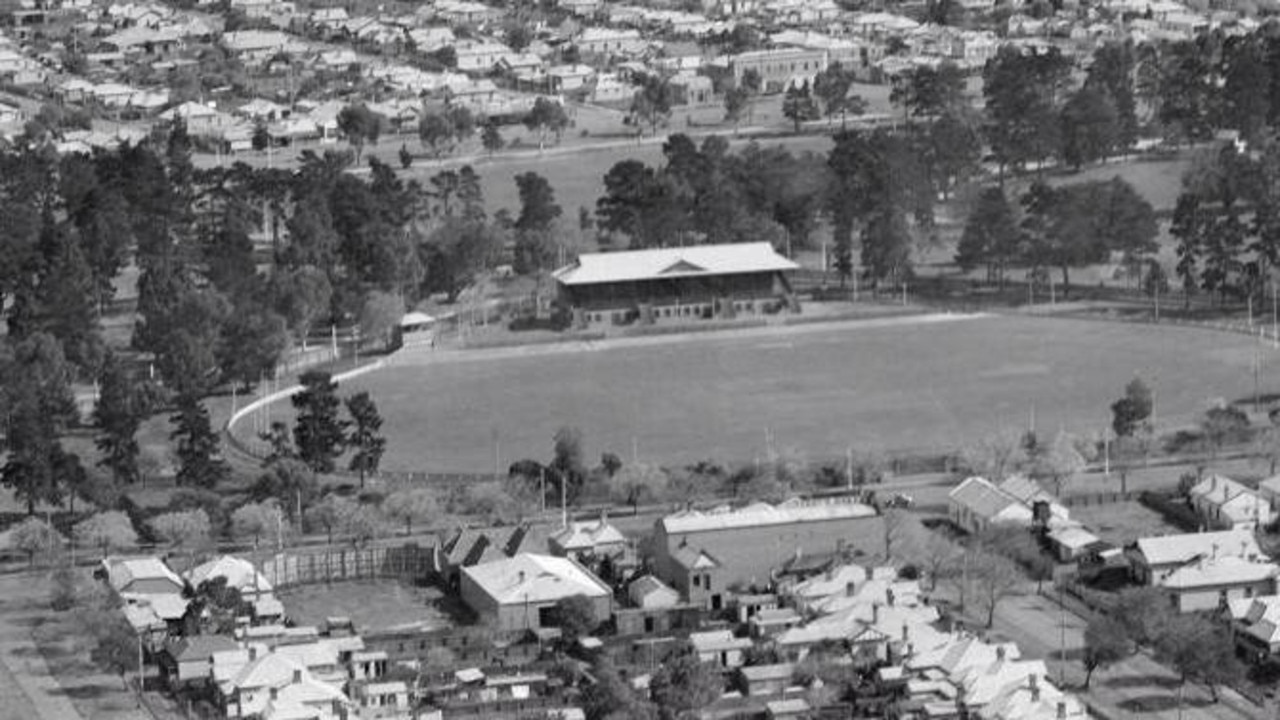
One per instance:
(1138, 687)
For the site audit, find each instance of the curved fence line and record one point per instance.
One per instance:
(246, 446)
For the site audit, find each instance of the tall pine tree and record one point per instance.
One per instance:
(318, 434)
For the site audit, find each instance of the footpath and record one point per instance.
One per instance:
(27, 689)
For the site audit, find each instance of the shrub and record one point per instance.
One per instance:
(1176, 513)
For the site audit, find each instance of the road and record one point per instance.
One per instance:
(1137, 687)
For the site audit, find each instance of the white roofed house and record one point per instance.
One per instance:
(977, 504)
(271, 685)
(519, 593)
(1224, 503)
(1154, 557)
(244, 577)
(582, 538)
(700, 281)
(1208, 583)
(479, 56)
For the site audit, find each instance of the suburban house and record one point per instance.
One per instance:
(190, 659)
(773, 679)
(977, 504)
(272, 685)
(141, 576)
(721, 648)
(1153, 558)
(1255, 625)
(520, 593)
(701, 281)
(474, 546)
(650, 593)
(244, 577)
(1224, 503)
(1208, 583)
(749, 544)
(590, 537)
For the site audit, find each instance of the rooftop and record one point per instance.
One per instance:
(763, 514)
(1170, 549)
(535, 578)
(699, 260)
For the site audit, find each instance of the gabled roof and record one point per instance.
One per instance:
(123, 572)
(1182, 548)
(269, 670)
(647, 585)
(1218, 489)
(535, 578)
(586, 535)
(631, 265)
(986, 500)
(240, 574)
(691, 559)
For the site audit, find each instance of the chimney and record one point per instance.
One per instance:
(253, 653)
(604, 517)
(297, 676)
(520, 578)
(1214, 554)
(1062, 710)
(850, 589)
(1035, 687)
(999, 652)
(888, 596)
(875, 612)
(906, 632)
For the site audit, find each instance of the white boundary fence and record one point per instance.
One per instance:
(256, 447)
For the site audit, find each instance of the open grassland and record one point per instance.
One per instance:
(814, 392)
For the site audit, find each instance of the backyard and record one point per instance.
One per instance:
(371, 605)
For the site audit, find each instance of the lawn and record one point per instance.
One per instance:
(813, 391)
(371, 605)
(1123, 522)
(578, 178)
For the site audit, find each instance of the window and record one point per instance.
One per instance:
(697, 581)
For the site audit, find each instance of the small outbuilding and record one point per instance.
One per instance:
(415, 329)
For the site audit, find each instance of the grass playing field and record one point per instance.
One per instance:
(815, 391)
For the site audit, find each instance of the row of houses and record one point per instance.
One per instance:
(266, 669)
(1199, 571)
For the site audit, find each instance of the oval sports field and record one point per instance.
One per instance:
(814, 390)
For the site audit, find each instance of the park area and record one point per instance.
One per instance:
(812, 391)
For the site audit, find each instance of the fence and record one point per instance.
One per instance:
(1102, 498)
(258, 449)
(307, 567)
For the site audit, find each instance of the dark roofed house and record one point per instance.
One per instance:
(701, 281)
(190, 659)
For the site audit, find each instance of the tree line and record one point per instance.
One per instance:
(212, 310)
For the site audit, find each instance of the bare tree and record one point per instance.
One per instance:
(994, 457)
(993, 578)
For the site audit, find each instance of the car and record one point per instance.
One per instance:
(901, 500)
